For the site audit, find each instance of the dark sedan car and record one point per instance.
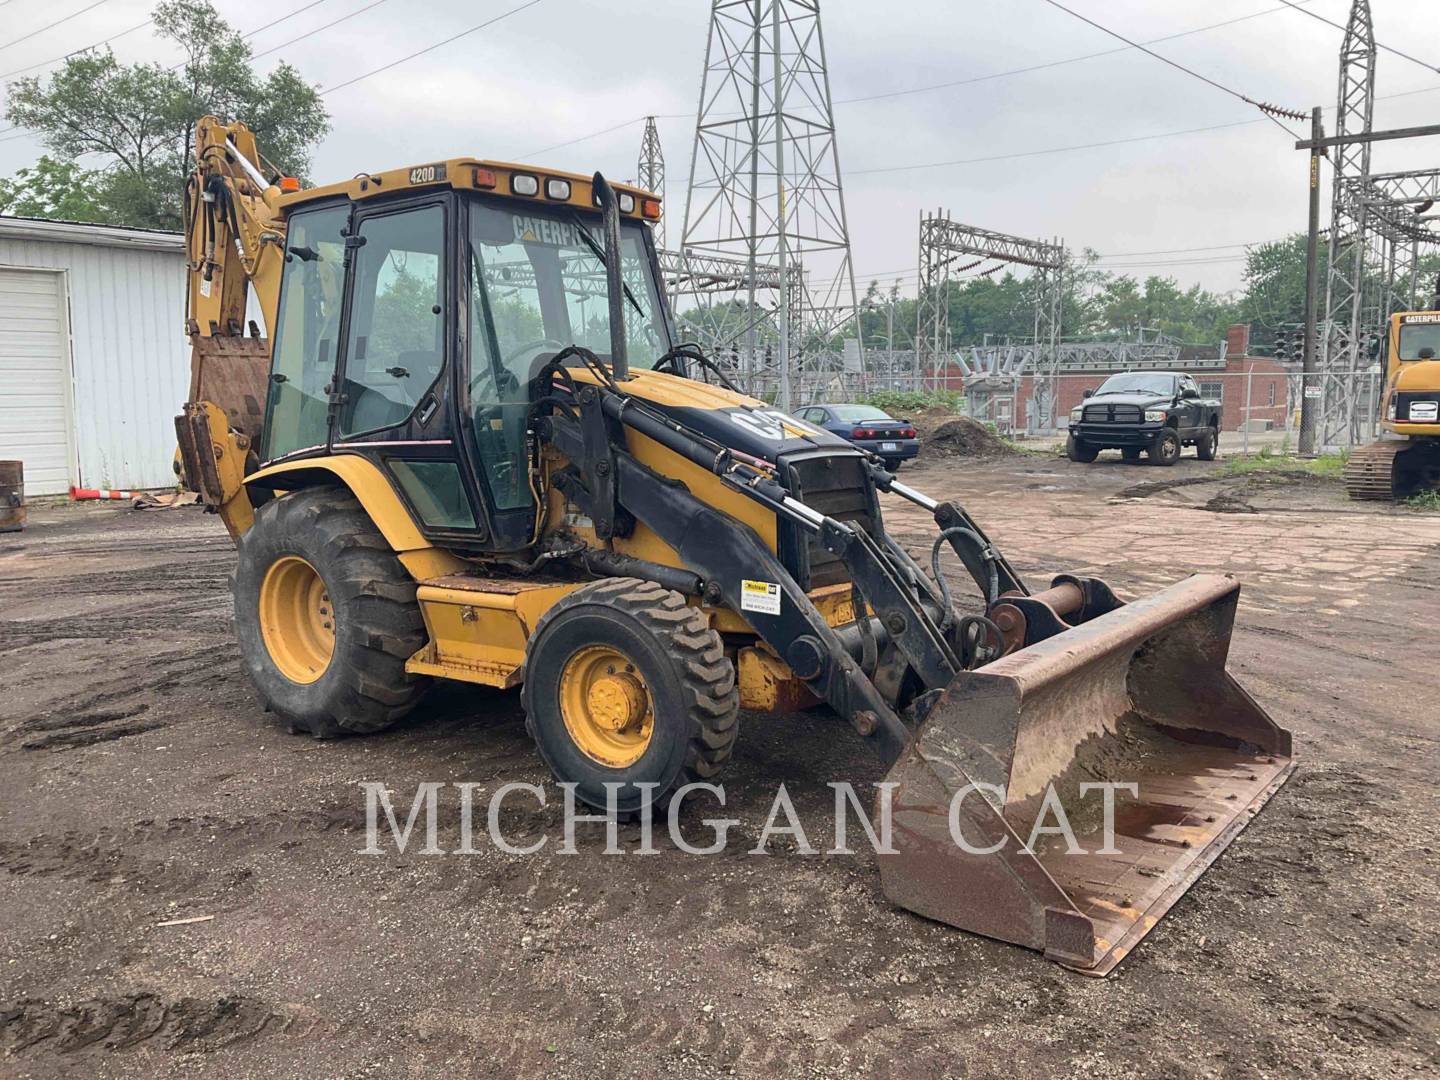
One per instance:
(868, 428)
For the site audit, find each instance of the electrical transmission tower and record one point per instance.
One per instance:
(1346, 311)
(1377, 228)
(765, 190)
(943, 243)
(650, 172)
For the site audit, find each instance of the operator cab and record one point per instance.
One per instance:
(415, 318)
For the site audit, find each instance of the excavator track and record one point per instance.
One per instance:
(1370, 472)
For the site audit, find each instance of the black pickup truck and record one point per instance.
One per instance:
(1157, 412)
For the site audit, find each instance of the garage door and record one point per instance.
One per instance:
(35, 378)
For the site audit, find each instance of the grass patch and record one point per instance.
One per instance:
(1267, 460)
(1426, 500)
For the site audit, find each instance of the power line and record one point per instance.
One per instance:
(583, 138)
(309, 33)
(1056, 63)
(51, 26)
(76, 52)
(1269, 110)
(1049, 150)
(431, 48)
(1378, 44)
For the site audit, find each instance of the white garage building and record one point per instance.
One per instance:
(94, 363)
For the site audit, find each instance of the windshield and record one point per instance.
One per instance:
(1420, 342)
(854, 414)
(1163, 385)
(537, 284)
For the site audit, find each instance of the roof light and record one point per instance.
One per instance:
(650, 208)
(557, 189)
(522, 184)
(627, 203)
(485, 178)
(289, 183)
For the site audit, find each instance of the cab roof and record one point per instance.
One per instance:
(551, 186)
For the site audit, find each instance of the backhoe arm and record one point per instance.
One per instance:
(235, 242)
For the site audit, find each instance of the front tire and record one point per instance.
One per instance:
(326, 616)
(1078, 450)
(1166, 448)
(1130, 453)
(1207, 447)
(626, 683)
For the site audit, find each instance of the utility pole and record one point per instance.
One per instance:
(1309, 390)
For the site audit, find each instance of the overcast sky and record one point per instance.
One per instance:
(564, 69)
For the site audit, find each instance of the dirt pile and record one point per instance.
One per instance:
(963, 437)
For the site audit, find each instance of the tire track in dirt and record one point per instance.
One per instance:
(187, 1024)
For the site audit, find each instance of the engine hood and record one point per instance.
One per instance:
(1418, 375)
(734, 420)
(1143, 400)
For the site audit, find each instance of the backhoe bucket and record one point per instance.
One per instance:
(1138, 696)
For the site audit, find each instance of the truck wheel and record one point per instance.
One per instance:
(326, 616)
(1077, 450)
(1130, 453)
(626, 683)
(1166, 448)
(1207, 447)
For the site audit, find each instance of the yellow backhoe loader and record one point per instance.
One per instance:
(469, 447)
(1406, 459)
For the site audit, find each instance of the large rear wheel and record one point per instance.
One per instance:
(326, 616)
(626, 683)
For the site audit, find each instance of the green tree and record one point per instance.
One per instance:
(138, 118)
(60, 190)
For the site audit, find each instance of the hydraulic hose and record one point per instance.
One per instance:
(992, 589)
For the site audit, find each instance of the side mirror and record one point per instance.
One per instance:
(1189, 393)
(1426, 353)
(1087, 393)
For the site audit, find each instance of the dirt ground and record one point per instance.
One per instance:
(143, 785)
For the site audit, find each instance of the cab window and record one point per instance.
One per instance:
(394, 347)
(1420, 341)
(308, 332)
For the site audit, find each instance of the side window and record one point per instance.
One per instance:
(395, 345)
(815, 416)
(307, 333)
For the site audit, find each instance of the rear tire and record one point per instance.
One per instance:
(1207, 447)
(326, 616)
(1078, 450)
(893, 464)
(626, 683)
(1166, 448)
(1130, 453)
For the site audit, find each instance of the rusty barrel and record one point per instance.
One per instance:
(1138, 696)
(12, 496)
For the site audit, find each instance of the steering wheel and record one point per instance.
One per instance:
(529, 346)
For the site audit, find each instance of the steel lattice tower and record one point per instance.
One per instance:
(650, 172)
(765, 182)
(1349, 315)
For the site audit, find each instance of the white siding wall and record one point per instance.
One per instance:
(130, 359)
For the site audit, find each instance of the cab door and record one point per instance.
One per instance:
(393, 400)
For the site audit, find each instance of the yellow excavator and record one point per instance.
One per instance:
(469, 446)
(1405, 461)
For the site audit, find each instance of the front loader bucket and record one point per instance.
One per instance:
(1140, 696)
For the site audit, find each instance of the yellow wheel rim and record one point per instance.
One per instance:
(297, 620)
(606, 706)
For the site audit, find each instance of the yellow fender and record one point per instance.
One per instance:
(381, 504)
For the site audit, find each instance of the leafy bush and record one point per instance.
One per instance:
(900, 402)
(1426, 500)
